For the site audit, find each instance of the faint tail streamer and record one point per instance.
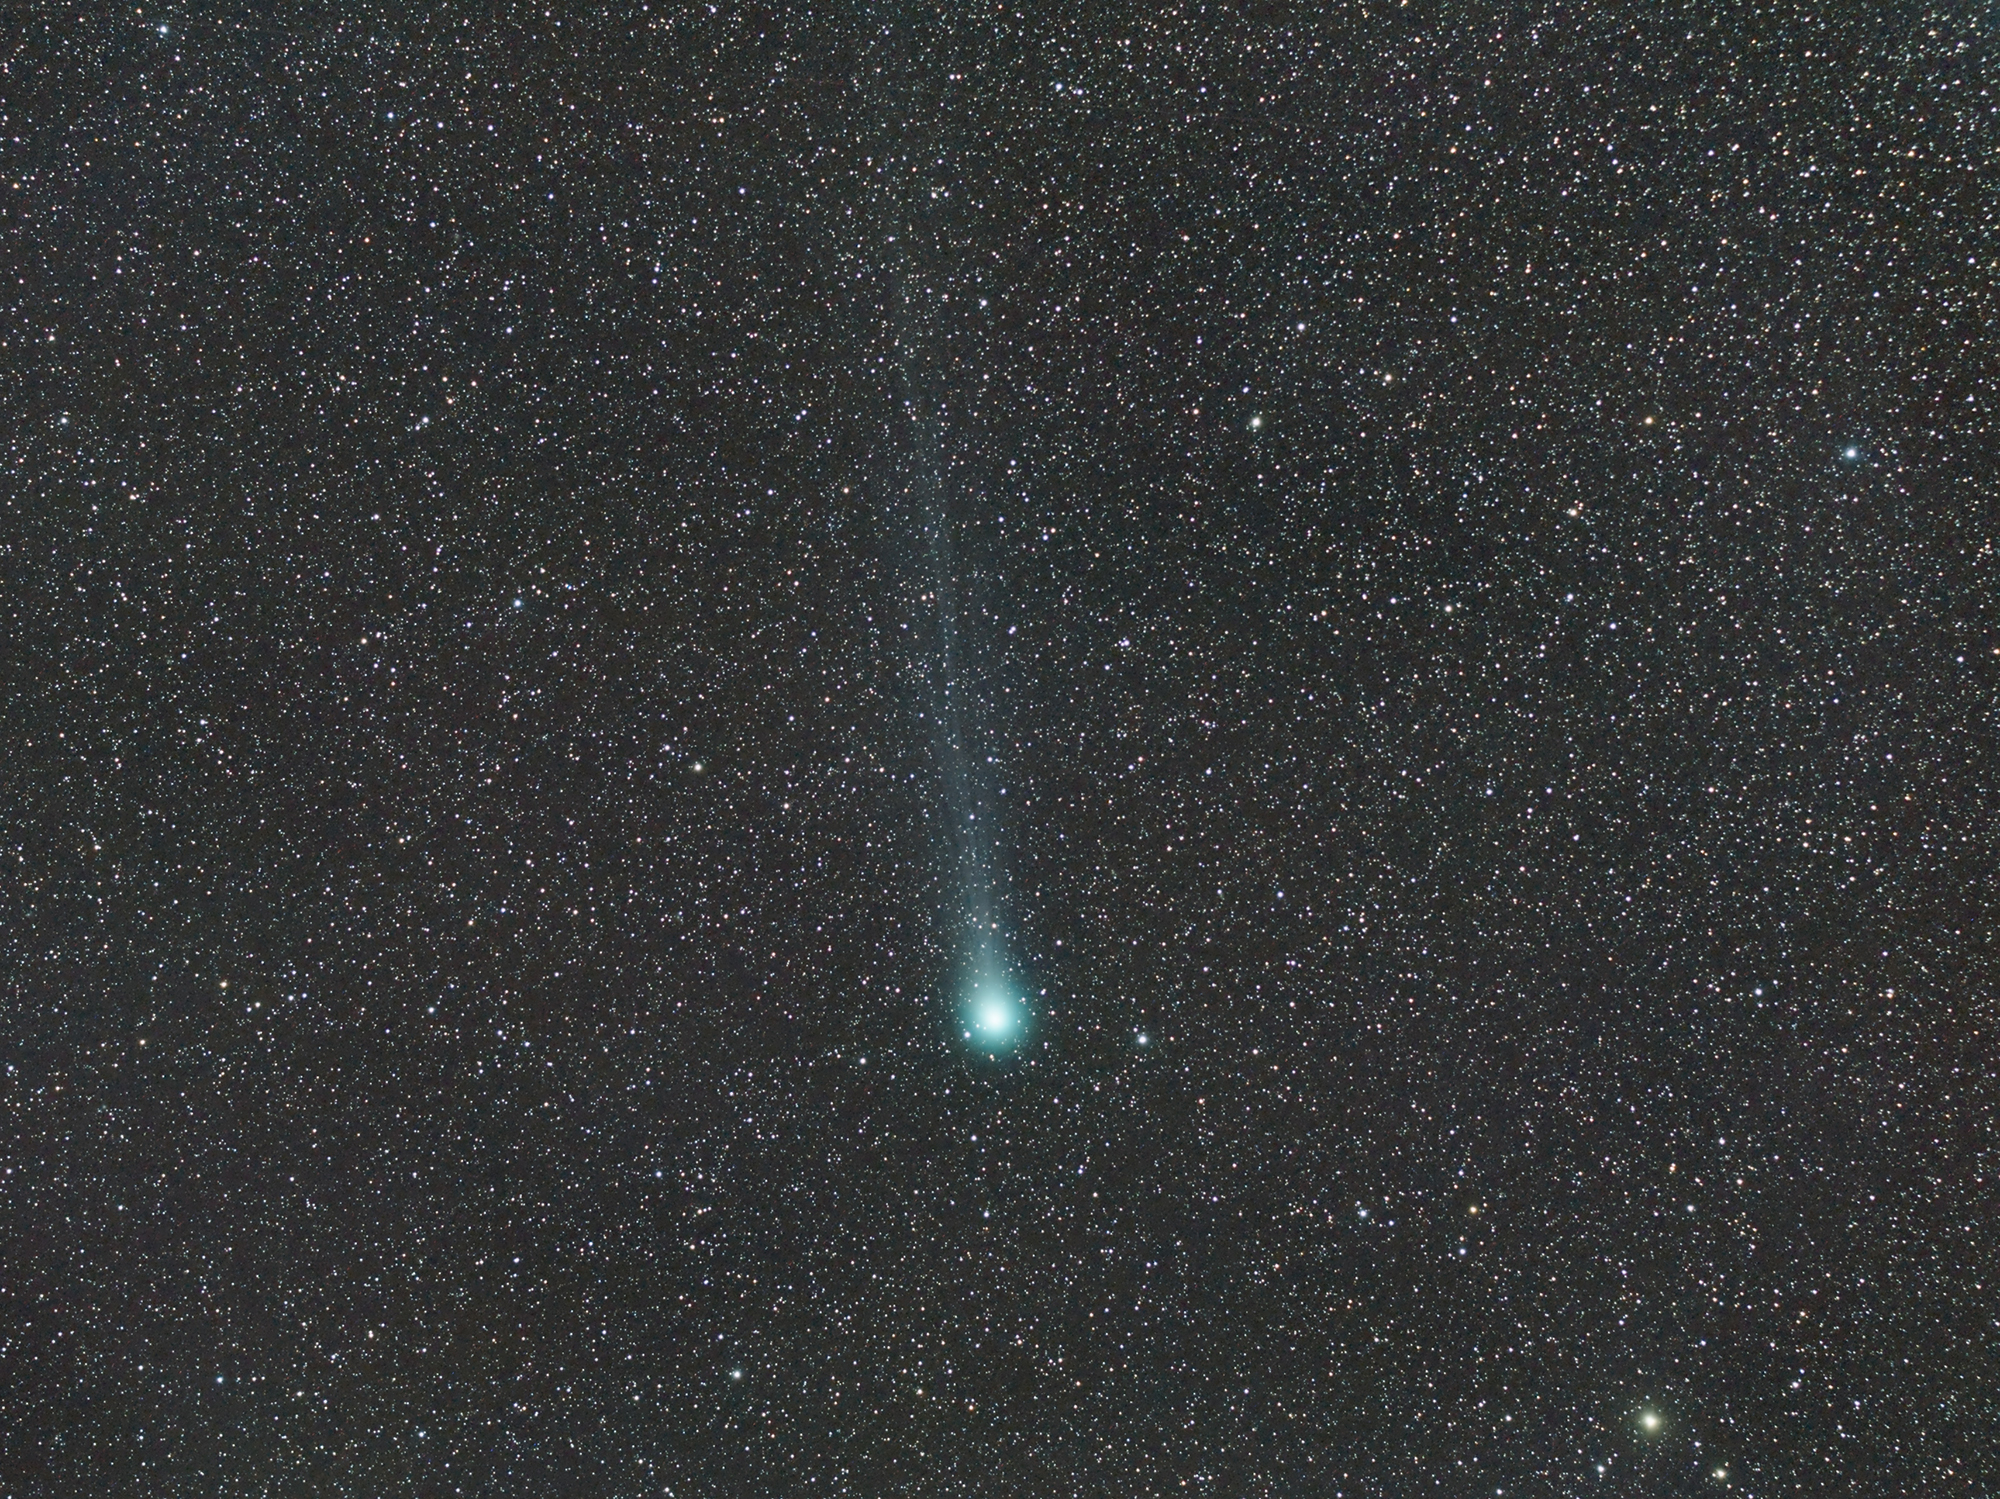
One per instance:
(933, 485)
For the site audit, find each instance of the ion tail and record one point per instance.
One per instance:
(935, 489)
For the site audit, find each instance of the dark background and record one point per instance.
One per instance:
(1474, 563)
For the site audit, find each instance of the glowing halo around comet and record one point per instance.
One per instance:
(994, 1017)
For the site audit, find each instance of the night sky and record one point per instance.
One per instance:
(1195, 749)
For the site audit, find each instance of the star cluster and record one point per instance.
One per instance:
(1471, 597)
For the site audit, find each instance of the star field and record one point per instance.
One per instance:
(1446, 552)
